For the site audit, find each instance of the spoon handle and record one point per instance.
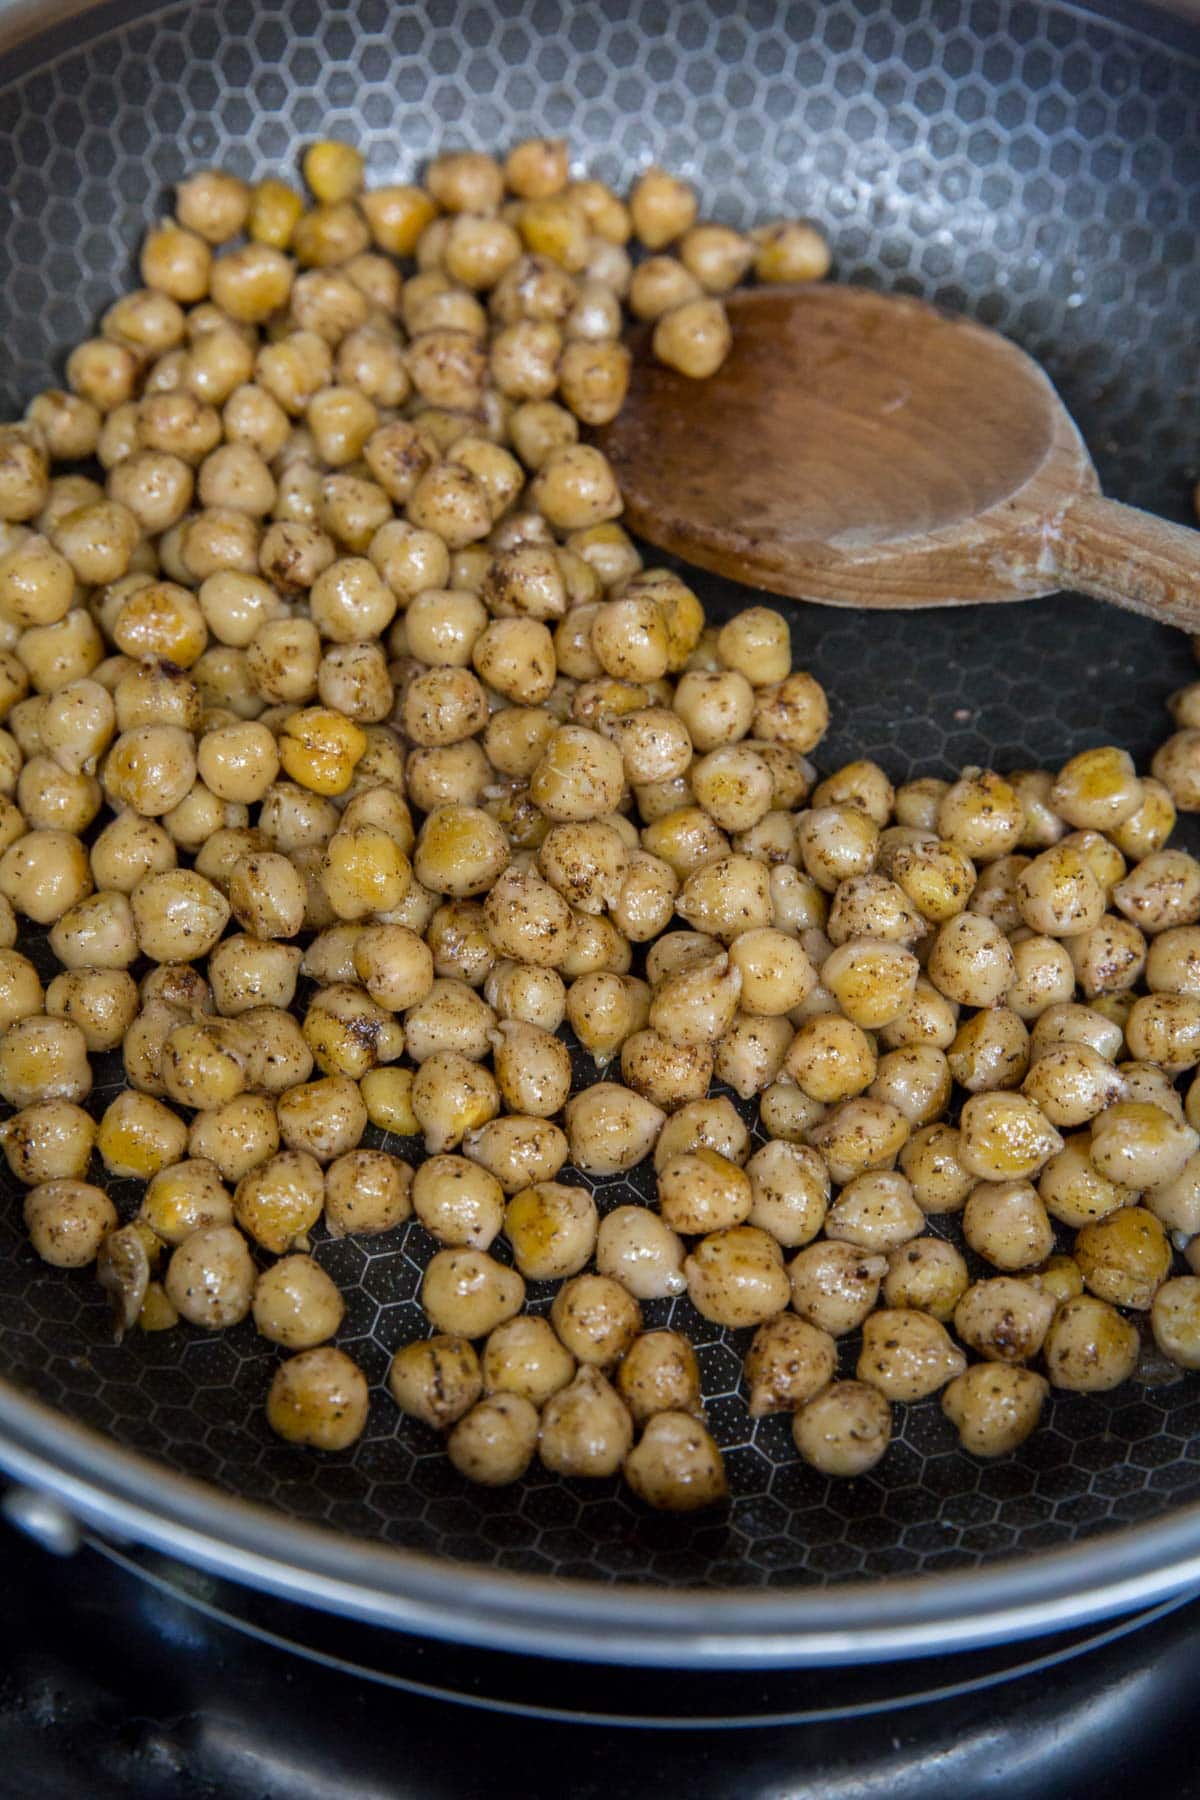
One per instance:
(1129, 557)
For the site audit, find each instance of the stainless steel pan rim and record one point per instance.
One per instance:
(119, 1495)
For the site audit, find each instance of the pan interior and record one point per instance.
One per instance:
(1026, 164)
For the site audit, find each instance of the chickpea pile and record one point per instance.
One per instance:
(350, 753)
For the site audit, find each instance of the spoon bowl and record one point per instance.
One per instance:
(861, 449)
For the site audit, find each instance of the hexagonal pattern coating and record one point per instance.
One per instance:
(1022, 162)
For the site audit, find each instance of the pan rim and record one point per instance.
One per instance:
(120, 1495)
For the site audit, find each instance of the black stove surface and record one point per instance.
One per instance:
(128, 1679)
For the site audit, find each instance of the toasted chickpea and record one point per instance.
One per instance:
(844, 1430)
(596, 1319)
(184, 1198)
(44, 873)
(1139, 1145)
(102, 1002)
(1005, 1319)
(1089, 1347)
(1071, 1083)
(659, 1374)
(524, 1358)
(875, 1211)
(236, 1138)
(210, 1277)
(1176, 765)
(1124, 1258)
(859, 1134)
(1162, 891)
(1074, 1192)
(318, 1398)
(178, 915)
(552, 1230)
(20, 989)
(50, 1140)
(994, 1408)
(1044, 976)
(677, 1466)
(1173, 1317)
(928, 1274)
(736, 1276)
(494, 1442)
(43, 1058)
(971, 961)
(1071, 1024)
(366, 1191)
(835, 844)
(324, 1119)
(907, 1354)
(788, 1363)
(1147, 829)
(458, 1202)
(525, 991)
(296, 1304)
(67, 1221)
(981, 814)
(280, 1201)
(586, 1429)
(466, 1293)
(693, 337)
(1007, 1222)
(520, 1152)
(452, 1095)
(436, 1380)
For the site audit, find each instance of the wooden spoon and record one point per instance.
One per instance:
(866, 450)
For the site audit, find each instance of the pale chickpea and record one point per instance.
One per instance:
(788, 1363)
(296, 1304)
(436, 1380)
(907, 1354)
(50, 1140)
(1162, 891)
(1007, 1223)
(280, 1201)
(552, 1230)
(859, 1134)
(971, 961)
(1005, 1319)
(586, 1429)
(844, 1430)
(1174, 1316)
(1139, 1145)
(210, 1277)
(366, 1191)
(68, 1221)
(981, 814)
(236, 1138)
(494, 1442)
(596, 1319)
(520, 1152)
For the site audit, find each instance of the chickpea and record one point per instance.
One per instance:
(296, 1304)
(1089, 1347)
(875, 1211)
(1007, 1223)
(1173, 1317)
(1148, 829)
(68, 1221)
(236, 1138)
(788, 1363)
(50, 1140)
(466, 1293)
(859, 1134)
(436, 1380)
(596, 1319)
(1139, 1145)
(21, 993)
(907, 1354)
(844, 1430)
(366, 1191)
(183, 1198)
(44, 873)
(586, 1429)
(1124, 1258)
(211, 1276)
(318, 1398)
(279, 1202)
(994, 1408)
(1162, 891)
(43, 1058)
(494, 1442)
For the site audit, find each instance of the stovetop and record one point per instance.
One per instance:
(126, 1678)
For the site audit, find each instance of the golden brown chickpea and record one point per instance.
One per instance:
(1124, 1258)
(318, 1398)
